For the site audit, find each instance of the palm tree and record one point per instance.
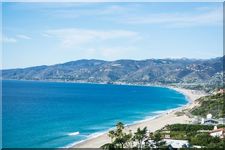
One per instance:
(119, 130)
(112, 135)
(157, 139)
(119, 139)
(129, 140)
(120, 135)
(120, 125)
(140, 135)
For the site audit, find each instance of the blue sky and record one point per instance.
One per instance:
(50, 33)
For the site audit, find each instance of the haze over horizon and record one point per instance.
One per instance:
(53, 33)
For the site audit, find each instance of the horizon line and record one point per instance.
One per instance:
(180, 58)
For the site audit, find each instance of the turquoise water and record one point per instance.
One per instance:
(44, 114)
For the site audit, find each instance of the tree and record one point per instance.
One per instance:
(157, 139)
(119, 134)
(140, 135)
(108, 146)
(118, 137)
(120, 125)
(112, 135)
(129, 141)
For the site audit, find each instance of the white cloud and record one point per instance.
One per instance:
(73, 37)
(22, 36)
(209, 17)
(6, 39)
(83, 9)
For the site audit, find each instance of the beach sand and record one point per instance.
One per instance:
(153, 124)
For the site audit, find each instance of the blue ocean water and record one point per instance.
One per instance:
(44, 114)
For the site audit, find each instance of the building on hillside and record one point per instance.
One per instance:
(210, 121)
(218, 133)
(177, 143)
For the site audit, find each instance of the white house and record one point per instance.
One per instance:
(177, 143)
(218, 133)
(209, 120)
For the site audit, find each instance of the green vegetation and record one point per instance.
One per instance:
(141, 139)
(189, 127)
(213, 104)
(195, 134)
(205, 140)
(140, 135)
(137, 140)
(119, 138)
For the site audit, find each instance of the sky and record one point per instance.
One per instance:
(50, 33)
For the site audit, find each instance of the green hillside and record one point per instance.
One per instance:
(213, 104)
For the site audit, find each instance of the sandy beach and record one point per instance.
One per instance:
(160, 121)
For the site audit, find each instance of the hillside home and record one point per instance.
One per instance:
(209, 120)
(218, 133)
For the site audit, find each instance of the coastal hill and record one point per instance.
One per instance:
(151, 71)
(212, 104)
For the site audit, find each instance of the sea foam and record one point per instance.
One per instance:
(74, 133)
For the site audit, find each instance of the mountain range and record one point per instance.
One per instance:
(150, 71)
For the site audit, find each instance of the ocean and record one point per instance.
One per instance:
(52, 114)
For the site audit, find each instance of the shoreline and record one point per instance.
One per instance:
(154, 123)
(97, 134)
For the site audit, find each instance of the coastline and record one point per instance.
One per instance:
(154, 123)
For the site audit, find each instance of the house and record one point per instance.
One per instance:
(209, 120)
(218, 133)
(177, 143)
